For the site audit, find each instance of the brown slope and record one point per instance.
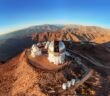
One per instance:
(17, 78)
(87, 32)
(102, 39)
(59, 35)
(76, 33)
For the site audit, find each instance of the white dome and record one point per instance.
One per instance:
(72, 81)
(35, 51)
(64, 86)
(47, 44)
(51, 46)
(35, 48)
(59, 45)
(69, 84)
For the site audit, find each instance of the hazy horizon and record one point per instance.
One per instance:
(19, 14)
(11, 31)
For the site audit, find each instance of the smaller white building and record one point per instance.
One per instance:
(35, 51)
(68, 84)
(73, 81)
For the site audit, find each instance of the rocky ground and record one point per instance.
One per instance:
(19, 78)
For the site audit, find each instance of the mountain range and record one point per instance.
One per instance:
(21, 39)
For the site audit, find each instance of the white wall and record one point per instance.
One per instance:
(57, 59)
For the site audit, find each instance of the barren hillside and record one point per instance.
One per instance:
(77, 34)
(19, 78)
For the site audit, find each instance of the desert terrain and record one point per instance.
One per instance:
(19, 78)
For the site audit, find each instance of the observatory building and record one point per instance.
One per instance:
(35, 51)
(56, 52)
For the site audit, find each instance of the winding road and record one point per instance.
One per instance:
(87, 57)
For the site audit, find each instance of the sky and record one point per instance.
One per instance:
(17, 14)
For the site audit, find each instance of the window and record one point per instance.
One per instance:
(56, 46)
